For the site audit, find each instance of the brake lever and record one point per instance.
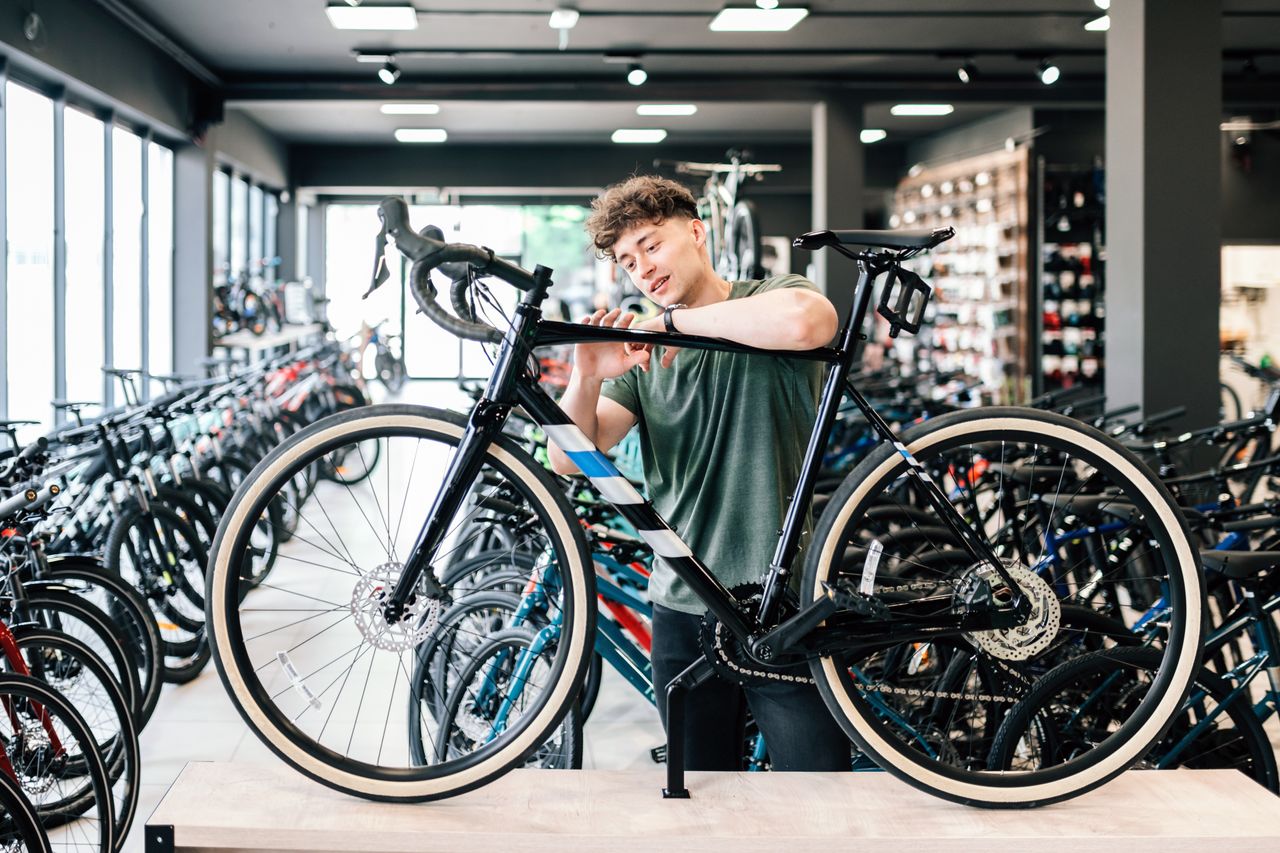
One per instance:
(380, 271)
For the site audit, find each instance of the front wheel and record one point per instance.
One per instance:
(1077, 521)
(310, 658)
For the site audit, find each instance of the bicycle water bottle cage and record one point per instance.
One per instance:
(903, 300)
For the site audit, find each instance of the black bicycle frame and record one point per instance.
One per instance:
(511, 384)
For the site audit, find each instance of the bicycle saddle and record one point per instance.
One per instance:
(878, 239)
(1240, 565)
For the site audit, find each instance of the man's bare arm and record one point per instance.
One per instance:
(600, 419)
(788, 318)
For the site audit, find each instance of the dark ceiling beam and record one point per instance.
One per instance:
(542, 13)
(128, 16)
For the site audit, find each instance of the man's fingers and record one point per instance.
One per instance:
(669, 355)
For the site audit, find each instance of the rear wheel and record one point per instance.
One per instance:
(1037, 487)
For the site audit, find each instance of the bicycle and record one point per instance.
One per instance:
(733, 223)
(877, 640)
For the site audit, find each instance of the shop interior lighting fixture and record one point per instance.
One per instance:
(666, 109)
(374, 58)
(421, 134)
(767, 4)
(389, 73)
(1048, 73)
(758, 20)
(1104, 5)
(1098, 25)
(562, 20)
(636, 75)
(639, 135)
(968, 72)
(344, 16)
(405, 109)
(869, 135)
(922, 109)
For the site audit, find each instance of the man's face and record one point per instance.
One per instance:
(667, 261)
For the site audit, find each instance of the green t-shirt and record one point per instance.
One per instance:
(722, 436)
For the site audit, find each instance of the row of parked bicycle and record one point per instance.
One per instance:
(105, 527)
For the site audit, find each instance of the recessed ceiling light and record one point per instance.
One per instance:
(1099, 25)
(922, 109)
(1048, 73)
(410, 109)
(639, 135)
(767, 4)
(1104, 5)
(344, 17)
(666, 110)
(968, 72)
(757, 20)
(421, 134)
(636, 75)
(373, 58)
(871, 134)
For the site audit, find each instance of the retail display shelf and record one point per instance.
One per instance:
(215, 807)
(291, 334)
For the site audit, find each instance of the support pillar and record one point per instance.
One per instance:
(837, 193)
(1164, 104)
(192, 257)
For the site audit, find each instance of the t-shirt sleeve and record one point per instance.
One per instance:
(778, 282)
(622, 390)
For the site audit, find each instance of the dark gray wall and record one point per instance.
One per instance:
(249, 147)
(83, 42)
(974, 138)
(1251, 189)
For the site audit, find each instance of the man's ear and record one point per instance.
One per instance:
(699, 229)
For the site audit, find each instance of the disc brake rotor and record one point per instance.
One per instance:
(1020, 642)
(368, 600)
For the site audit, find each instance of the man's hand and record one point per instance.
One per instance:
(657, 324)
(606, 361)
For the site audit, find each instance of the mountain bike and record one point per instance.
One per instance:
(733, 223)
(917, 654)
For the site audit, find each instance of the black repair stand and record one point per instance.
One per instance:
(697, 673)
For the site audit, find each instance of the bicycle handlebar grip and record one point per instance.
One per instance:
(1167, 415)
(14, 504)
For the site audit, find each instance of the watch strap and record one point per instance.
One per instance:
(666, 317)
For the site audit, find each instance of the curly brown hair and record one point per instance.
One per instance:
(639, 199)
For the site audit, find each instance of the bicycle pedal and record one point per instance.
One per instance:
(855, 602)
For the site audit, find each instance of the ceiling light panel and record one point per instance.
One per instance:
(870, 135)
(757, 20)
(638, 135)
(564, 19)
(421, 134)
(666, 109)
(922, 109)
(1099, 25)
(410, 109)
(400, 17)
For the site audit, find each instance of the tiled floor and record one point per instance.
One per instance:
(197, 722)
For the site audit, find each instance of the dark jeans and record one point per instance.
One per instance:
(798, 730)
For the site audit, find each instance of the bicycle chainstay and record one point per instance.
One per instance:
(726, 656)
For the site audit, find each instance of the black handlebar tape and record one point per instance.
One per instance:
(1252, 524)
(424, 293)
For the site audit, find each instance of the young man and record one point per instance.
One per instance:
(722, 437)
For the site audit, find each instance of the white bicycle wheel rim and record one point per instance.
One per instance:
(1125, 754)
(501, 759)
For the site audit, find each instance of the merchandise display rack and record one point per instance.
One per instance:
(1070, 270)
(979, 321)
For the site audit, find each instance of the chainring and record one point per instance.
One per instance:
(730, 660)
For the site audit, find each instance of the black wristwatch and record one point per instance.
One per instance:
(666, 317)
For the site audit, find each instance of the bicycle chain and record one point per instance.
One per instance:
(743, 674)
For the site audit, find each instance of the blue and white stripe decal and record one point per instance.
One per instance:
(665, 543)
(613, 487)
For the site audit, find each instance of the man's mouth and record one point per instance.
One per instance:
(662, 282)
